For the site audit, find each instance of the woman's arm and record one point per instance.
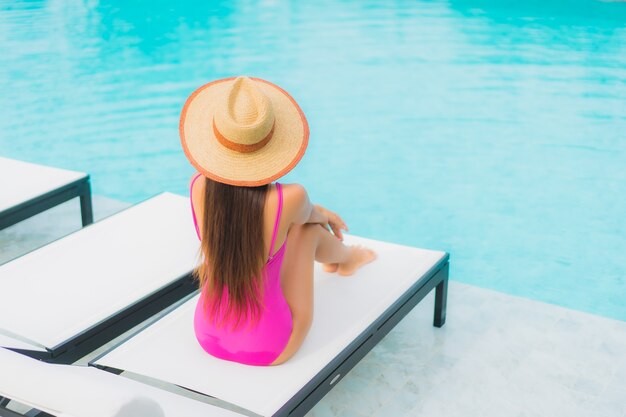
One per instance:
(305, 212)
(302, 209)
(317, 216)
(335, 222)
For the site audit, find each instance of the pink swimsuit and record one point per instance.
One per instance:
(258, 343)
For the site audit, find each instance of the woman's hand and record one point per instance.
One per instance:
(335, 222)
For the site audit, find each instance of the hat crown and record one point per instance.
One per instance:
(245, 104)
(245, 117)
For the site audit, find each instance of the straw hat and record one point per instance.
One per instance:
(243, 131)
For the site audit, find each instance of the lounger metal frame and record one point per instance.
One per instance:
(80, 188)
(323, 382)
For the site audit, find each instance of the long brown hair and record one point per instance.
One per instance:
(232, 251)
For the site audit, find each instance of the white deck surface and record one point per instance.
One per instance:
(70, 285)
(497, 355)
(344, 307)
(21, 181)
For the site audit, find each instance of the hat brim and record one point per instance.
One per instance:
(285, 149)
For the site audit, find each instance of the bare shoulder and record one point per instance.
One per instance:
(197, 188)
(295, 203)
(294, 194)
(195, 181)
(193, 178)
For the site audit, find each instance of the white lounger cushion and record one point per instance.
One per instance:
(67, 390)
(58, 291)
(344, 308)
(22, 181)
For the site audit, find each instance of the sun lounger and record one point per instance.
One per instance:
(70, 297)
(352, 314)
(79, 391)
(27, 189)
(65, 299)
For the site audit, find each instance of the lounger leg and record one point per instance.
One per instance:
(86, 211)
(441, 297)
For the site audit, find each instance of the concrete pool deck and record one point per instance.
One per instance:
(497, 355)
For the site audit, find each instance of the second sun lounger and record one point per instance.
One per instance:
(352, 314)
(69, 297)
(27, 189)
(79, 391)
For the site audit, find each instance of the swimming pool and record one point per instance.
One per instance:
(494, 130)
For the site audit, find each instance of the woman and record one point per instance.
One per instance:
(258, 239)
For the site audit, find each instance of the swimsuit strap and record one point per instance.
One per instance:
(193, 212)
(280, 208)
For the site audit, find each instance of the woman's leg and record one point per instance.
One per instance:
(306, 243)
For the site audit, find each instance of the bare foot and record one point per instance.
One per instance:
(359, 256)
(330, 267)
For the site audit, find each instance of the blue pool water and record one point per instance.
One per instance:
(495, 130)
